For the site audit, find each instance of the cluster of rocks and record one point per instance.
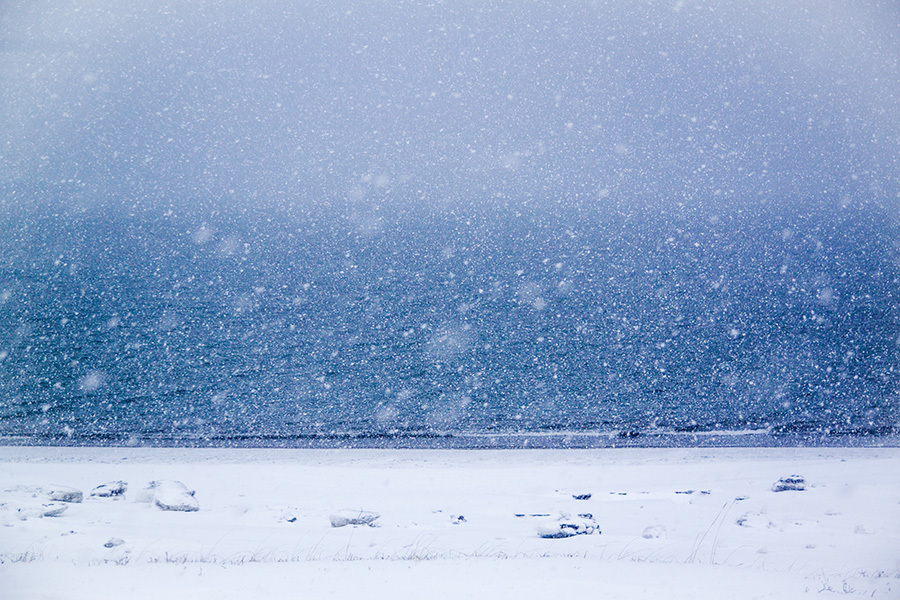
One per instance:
(32, 502)
(29, 502)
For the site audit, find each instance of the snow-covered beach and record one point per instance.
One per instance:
(617, 523)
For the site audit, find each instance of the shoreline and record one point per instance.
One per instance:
(574, 440)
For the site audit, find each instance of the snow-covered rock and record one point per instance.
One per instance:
(343, 518)
(169, 495)
(567, 526)
(59, 493)
(793, 483)
(22, 502)
(40, 510)
(113, 542)
(111, 489)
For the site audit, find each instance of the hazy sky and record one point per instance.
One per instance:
(293, 104)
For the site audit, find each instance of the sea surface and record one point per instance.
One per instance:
(487, 328)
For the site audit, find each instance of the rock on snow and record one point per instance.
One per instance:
(111, 489)
(793, 483)
(64, 494)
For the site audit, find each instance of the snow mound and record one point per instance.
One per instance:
(654, 532)
(755, 520)
(342, 518)
(169, 495)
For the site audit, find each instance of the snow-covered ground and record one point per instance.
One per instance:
(647, 523)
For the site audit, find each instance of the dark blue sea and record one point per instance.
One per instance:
(491, 328)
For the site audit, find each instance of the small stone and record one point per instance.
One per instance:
(113, 542)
